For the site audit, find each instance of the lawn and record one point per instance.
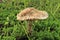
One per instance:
(12, 29)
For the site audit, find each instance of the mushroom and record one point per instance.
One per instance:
(30, 14)
(0, 1)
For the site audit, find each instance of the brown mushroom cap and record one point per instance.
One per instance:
(31, 14)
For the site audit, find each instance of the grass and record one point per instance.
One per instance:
(12, 29)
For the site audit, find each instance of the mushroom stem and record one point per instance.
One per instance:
(29, 26)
